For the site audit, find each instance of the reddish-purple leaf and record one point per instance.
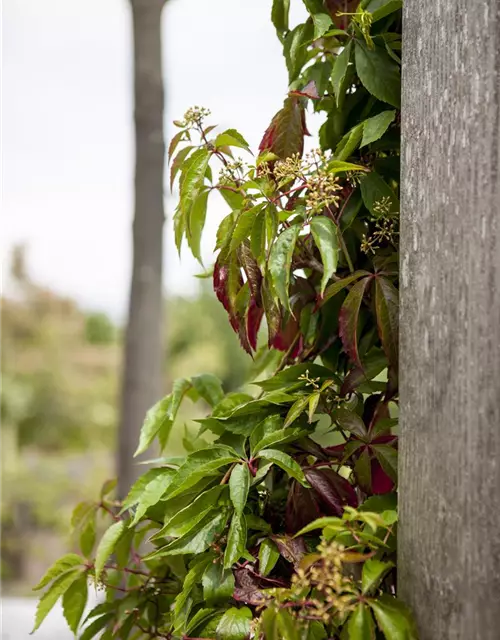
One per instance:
(380, 481)
(301, 508)
(348, 319)
(273, 314)
(251, 269)
(285, 135)
(350, 421)
(247, 586)
(292, 549)
(254, 319)
(333, 491)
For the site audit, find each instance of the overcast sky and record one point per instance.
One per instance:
(67, 126)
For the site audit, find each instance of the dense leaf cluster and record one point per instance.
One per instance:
(268, 530)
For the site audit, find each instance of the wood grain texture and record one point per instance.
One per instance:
(449, 544)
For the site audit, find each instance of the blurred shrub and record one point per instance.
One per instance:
(99, 329)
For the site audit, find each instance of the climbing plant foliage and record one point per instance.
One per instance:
(282, 521)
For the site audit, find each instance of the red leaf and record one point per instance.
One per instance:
(285, 135)
(387, 308)
(252, 270)
(381, 483)
(254, 319)
(333, 491)
(348, 319)
(301, 508)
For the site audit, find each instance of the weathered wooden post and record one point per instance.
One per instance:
(450, 319)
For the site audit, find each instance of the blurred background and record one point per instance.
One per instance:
(68, 201)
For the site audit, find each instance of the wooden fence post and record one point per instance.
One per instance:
(449, 536)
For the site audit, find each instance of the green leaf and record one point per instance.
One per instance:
(373, 572)
(268, 556)
(295, 49)
(235, 624)
(360, 625)
(264, 428)
(374, 128)
(195, 222)
(92, 630)
(322, 523)
(325, 236)
(153, 492)
(198, 465)
(297, 408)
(377, 192)
(236, 540)
(349, 143)
(281, 436)
(340, 72)
(258, 238)
(279, 16)
(177, 163)
(201, 617)
(287, 625)
(218, 584)
(209, 387)
(108, 487)
(244, 226)
(338, 286)
(348, 319)
(289, 378)
(53, 593)
(137, 489)
(321, 20)
(280, 262)
(379, 504)
(107, 546)
(231, 138)
(192, 177)
(74, 601)
(382, 8)
(379, 73)
(158, 417)
(394, 618)
(350, 421)
(339, 166)
(239, 484)
(388, 458)
(60, 566)
(190, 581)
(284, 461)
(362, 471)
(387, 309)
(174, 142)
(185, 519)
(314, 399)
(197, 540)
